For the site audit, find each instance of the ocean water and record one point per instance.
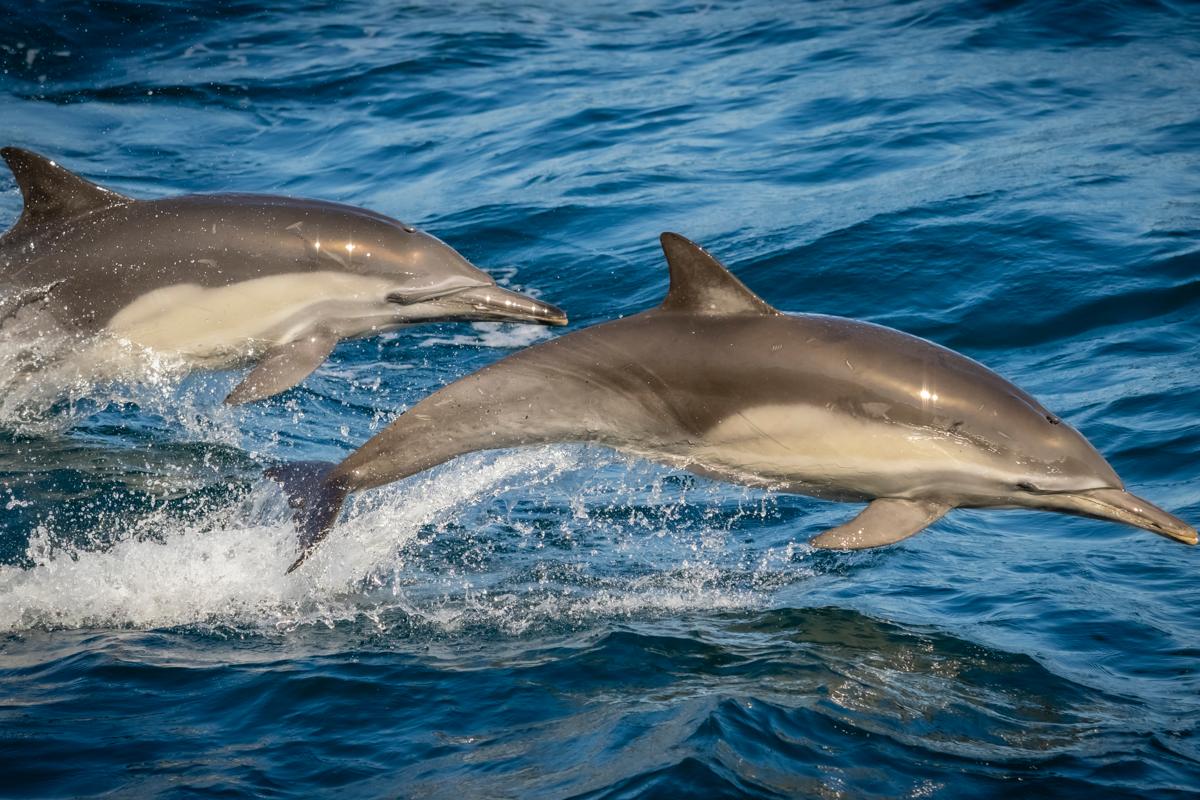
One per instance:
(1019, 181)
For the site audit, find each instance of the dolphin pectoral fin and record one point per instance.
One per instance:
(885, 521)
(284, 367)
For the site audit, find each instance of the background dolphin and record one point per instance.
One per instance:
(719, 383)
(217, 281)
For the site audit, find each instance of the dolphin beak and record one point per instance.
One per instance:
(1121, 506)
(494, 304)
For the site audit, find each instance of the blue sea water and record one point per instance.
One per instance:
(1019, 181)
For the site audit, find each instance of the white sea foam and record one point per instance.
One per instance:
(225, 568)
(501, 335)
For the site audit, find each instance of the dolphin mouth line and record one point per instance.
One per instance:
(412, 298)
(1117, 505)
(491, 303)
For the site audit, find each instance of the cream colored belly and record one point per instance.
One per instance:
(824, 449)
(227, 324)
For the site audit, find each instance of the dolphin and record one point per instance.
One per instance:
(717, 382)
(218, 281)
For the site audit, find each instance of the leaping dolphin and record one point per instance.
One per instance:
(717, 382)
(222, 280)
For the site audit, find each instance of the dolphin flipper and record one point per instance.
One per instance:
(885, 521)
(283, 368)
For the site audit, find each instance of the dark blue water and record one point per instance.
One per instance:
(1019, 181)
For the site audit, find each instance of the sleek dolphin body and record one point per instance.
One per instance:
(719, 383)
(222, 280)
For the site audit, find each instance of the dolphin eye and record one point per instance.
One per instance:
(409, 229)
(1027, 486)
(1053, 420)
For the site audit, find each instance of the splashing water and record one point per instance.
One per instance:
(225, 566)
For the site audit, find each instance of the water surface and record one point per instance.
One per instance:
(1018, 181)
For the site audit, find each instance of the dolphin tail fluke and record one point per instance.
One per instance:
(885, 521)
(315, 499)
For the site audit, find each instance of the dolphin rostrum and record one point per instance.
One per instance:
(719, 383)
(222, 280)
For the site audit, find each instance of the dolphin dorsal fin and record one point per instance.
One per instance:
(702, 285)
(52, 192)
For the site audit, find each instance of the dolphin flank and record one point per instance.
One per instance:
(224, 280)
(717, 382)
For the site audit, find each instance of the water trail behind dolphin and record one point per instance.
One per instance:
(222, 568)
